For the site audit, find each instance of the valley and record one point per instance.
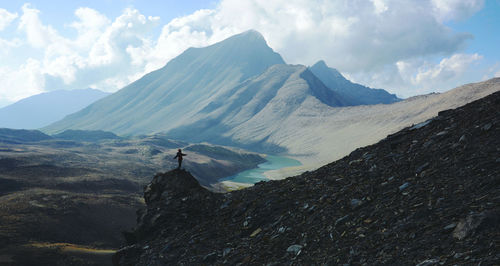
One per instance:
(84, 188)
(240, 93)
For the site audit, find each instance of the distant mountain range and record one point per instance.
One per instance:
(204, 92)
(239, 92)
(43, 109)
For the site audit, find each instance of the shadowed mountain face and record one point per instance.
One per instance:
(352, 93)
(267, 100)
(427, 195)
(43, 109)
(172, 95)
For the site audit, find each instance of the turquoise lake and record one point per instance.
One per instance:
(256, 175)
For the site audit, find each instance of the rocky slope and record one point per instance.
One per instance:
(427, 195)
(316, 136)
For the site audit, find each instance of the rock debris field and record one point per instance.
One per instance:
(427, 195)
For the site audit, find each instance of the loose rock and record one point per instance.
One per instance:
(360, 221)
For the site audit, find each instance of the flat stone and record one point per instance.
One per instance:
(404, 186)
(256, 232)
(356, 203)
(428, 262)
(294, 249)
(450, 226)
(487, 127)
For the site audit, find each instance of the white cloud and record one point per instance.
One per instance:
(424, 76)
(350, 35)
(37, 34)
(456, 9)
(381, 43)
(5, 45)
(101, 45)
(447, 69)
(194, 30)
(6, 18)
(99, 56)
(89, 27)
(127, 31)
(380, 6)
(366, 41)
(23, 82)
(420, 76)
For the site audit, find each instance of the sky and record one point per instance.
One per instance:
(406, 47)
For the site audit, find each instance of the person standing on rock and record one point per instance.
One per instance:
(179, 157)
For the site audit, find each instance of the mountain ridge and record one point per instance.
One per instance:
(353, 93)
(271, 96)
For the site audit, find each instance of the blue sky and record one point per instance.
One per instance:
(484, 25)
(406, 47)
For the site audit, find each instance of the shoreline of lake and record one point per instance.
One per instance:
(269, 170)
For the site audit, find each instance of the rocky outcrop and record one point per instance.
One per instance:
(427, 195)
(175, 203)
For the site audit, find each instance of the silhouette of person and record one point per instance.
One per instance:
(179, 157)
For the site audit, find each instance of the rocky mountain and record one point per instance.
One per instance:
(239, 92)
(426, 195)
(352, 93)
(171, 96)
(43, 109)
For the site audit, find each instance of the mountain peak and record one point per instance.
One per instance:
(183, 86)
(250, 41)
(320, 63)
(251, 34)
(321, 66)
